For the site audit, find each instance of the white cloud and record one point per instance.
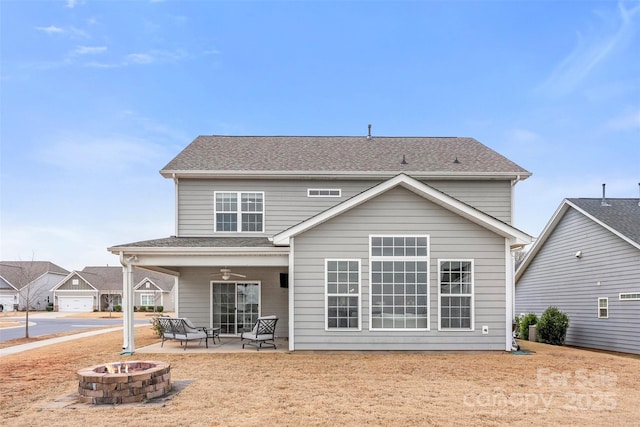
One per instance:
(628, 120)
(51, 29)
(591, 51)
(154, 56)
(89, 50)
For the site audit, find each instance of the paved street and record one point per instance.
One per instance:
(40, 324)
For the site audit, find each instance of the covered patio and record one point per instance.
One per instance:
(222, 345)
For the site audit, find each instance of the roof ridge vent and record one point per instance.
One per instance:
(604, 199)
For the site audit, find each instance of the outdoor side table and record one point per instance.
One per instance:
(213, 333)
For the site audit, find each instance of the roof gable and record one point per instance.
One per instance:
(620, 216)
(516, 237)
(340, 155)
(16, 272)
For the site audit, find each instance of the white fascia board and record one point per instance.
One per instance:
(546, 232)
(515, 236)
(602, 224)
(236, 174)
(141, 282)
(68, 276)
(9, 283)
(137, 250)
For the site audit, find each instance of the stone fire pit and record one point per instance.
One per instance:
(125, 382)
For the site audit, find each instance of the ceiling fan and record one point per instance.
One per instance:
(226, 274)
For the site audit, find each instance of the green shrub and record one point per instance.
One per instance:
(159, 309)
(528, 319)
(552, 326)
(142, 308)
(117, 308)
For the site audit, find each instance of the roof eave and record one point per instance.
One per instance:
(510, 175)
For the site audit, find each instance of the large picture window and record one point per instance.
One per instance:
(343, 294)
(239, 212)
(456, 294)
(399, 282)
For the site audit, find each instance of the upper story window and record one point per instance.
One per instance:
(629, 296)
(239, 211)
(324, 192)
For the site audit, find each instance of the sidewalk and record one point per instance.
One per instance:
(37, 344)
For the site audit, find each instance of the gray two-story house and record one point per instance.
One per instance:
(355, 243)
(586, 262)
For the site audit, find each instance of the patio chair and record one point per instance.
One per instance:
(180, 329)
(263, 333)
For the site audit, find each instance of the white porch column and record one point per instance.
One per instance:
(128, 344)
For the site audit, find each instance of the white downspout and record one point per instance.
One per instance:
(291, 289)
(509, 294)
(128, 344)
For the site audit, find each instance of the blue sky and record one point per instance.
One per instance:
(97, 96)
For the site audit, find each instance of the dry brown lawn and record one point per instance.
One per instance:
(553, 386)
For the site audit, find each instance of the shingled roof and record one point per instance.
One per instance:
(110, 278)
(17, 272)
(327, 155)
(623, 215)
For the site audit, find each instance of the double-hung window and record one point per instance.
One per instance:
(399, 282)
(343, 294)
(239, 211)
(456, 294)
(603, 308)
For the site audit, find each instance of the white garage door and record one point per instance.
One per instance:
(7, 302)
(82, 304)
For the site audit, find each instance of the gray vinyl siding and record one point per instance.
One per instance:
(286, 202)
(557, 277)
(399, 211)
(81, 286)
(194, 294)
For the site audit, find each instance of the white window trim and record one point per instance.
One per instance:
(319, 190)
(238, 211)
(606, 307)
(326, 296)
(472, 295)
(629, 296)
(388, 258)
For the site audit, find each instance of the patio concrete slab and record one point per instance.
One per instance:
(224, 345)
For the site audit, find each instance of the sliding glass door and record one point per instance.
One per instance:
(235, 306)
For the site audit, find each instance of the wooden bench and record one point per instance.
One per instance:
(180, 329)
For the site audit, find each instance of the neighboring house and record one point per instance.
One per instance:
(587, 263)
(100, 288)
(355, 243)
(28, 280)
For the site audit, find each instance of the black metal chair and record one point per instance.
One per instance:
(262, 334)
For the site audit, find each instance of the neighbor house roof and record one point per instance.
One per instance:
(340, 155)
(105, 278)
(620, 216)
(17, 272)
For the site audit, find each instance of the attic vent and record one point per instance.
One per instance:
(404, 160)
(604, 199)
(456, 160)
(369, 134)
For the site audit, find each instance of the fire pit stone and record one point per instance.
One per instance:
(126, 382)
